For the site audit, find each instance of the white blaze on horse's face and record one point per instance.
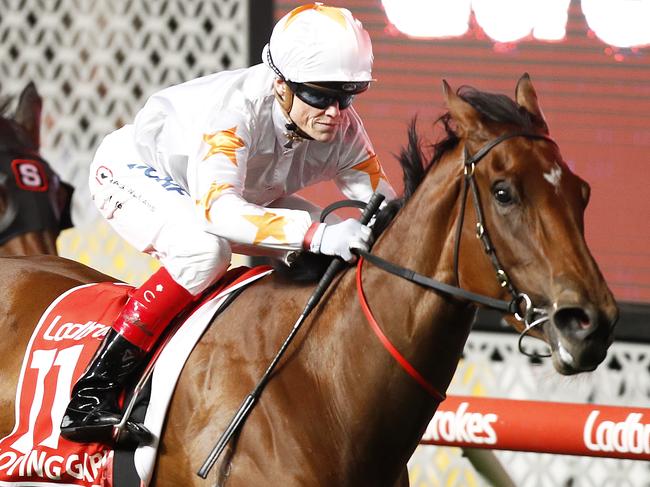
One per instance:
(554, 176)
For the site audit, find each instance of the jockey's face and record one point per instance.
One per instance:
(319, 123)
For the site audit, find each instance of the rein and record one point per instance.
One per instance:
(388, 345)
(520, 306)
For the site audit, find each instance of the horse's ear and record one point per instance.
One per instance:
(464, 114)
(526, 97)
(28, 113)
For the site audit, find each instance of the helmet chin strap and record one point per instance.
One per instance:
(293, 133)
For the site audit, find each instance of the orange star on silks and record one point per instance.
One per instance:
(225, 142)
(373, 169)
(213, 193)
(331, 12)
(268, 225)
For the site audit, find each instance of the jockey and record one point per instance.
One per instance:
(210, 167)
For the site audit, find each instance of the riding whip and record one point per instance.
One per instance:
(249, 402)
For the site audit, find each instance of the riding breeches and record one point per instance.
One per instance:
(157, 216)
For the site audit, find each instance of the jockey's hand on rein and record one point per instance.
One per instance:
(339, 238)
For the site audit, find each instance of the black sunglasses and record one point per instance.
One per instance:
(319, 98)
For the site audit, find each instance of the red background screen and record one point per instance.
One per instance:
(596, 99)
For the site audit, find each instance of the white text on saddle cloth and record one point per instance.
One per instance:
(57, 331)
(63, 343)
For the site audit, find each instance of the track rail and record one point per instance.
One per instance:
(543, 427)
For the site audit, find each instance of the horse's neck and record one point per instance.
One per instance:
(428, 329)
(422, 239)
(32, 243)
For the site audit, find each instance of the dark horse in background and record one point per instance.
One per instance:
(34, 202)
(339, 411)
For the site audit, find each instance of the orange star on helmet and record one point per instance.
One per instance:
(332, 12)
(224, 142)
(268, 225)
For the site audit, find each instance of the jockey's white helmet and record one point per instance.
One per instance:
(317, 43)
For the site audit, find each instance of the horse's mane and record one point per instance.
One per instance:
(492, 106)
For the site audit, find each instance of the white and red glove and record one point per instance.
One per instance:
(338, 239)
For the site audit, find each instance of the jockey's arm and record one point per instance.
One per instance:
(360, 173)
(219, 179)
(361, 180)
(219, 184)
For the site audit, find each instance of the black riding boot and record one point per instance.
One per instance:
(94, 409)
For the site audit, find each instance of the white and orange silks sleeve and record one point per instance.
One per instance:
(360, 173)
(219, 183)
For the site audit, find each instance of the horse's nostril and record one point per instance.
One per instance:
(572, 319)
(584, 323)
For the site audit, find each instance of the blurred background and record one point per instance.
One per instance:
(95, 64)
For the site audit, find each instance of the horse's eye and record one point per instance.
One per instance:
(503, 193)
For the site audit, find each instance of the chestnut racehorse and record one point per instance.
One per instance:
(339, 410)
(34, 203)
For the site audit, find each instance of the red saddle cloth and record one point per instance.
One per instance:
(62, 345)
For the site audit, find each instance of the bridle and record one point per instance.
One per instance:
(521, 305)
(519, 300)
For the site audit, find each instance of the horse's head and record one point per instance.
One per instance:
(34, 203)
(533, 217)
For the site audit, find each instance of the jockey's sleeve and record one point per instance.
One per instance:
(360, 173)
(219, 184)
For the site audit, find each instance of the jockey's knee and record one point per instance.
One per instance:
(198, 260)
